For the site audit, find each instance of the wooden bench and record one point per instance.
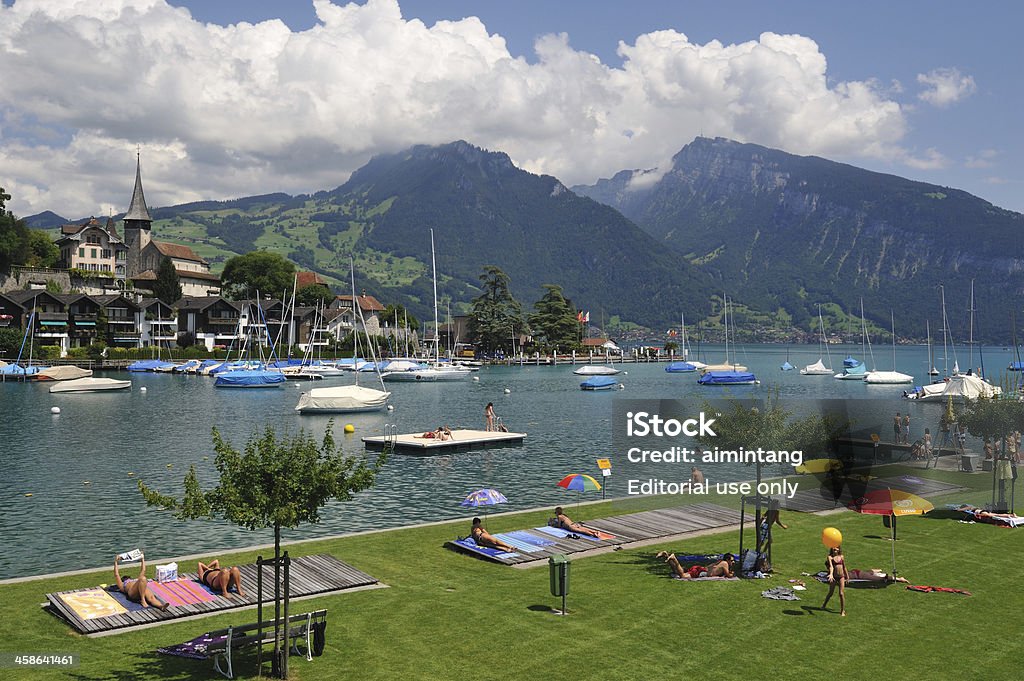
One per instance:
(235, 638)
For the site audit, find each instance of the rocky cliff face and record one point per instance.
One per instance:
(794, 231)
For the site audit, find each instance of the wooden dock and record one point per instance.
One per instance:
(627, 529)
(308, 575)
(464, 438)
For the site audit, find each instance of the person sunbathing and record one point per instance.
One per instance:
(220, 579)
(566, 523)
(443, 433)
(874, 575)
(137, 590)
(484, 538)
(722, 568)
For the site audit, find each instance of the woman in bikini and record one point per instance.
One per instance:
(566, 523)
(484, 538)
(137, 590)
(220, 579)
(835, 563)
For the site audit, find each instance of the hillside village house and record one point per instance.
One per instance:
(347, 318)
(93, 247)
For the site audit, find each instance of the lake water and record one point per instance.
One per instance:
(81, 466)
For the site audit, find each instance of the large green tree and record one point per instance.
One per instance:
(495, 315)
(42, 252)
(313, 295)
(14, 237)
(554, 322)
(393, 311)
(167, 286)
(259, 271)
(993, 419)
(278, 483)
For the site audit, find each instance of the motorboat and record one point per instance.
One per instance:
(596, 370)
(599, 383)
(341, 399)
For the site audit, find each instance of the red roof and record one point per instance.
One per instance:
(366, 303)
(594, 342)
(179, 251)
(304, 279)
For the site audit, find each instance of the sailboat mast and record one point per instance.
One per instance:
(355, 331)
(970, 337)
(865, 337)
(945, 333)
(437, 335)
(892, 316)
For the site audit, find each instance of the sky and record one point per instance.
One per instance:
(229, 98)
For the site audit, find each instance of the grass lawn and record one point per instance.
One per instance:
(450, 616)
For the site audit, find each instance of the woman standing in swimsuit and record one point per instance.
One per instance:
(835, 563)
(220, 579)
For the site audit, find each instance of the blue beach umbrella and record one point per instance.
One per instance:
(485, 498)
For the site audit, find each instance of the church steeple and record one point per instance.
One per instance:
(138, 210)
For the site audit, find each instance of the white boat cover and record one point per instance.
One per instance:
(343, 398)
(596, 370)
(887, 378)
(960, 387)
(816, 369)
(88, 385)
(63, 373)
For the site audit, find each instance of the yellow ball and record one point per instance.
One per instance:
(831, 537)
(349, 428)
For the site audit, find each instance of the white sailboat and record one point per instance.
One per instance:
(858, 371)
(90, 385)
(819, 368)
(889, 377)
(434, 371)
(727, 365)
(343, 399)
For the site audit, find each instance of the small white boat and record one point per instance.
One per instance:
(62, 373)
(887, 378)
(596, 370)
(342, 400)
(89, 385)
(816, 369)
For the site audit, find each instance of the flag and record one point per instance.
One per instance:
(586, 317)
(579, 316)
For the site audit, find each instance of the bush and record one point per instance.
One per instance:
(77, 353)
(95, 350)
(117, 353)
(48, 352)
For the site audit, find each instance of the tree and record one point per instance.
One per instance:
(993, 419)
(261, 271)
(42, 252)
(495, 314)
(555, 323)
(14, 247)
(397, 311)
(313, 295)
(272, 483)
(167, 286)
(10, 342)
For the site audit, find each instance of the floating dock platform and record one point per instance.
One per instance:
(463, 438)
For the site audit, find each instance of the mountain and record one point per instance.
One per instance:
(785, 232)
(483, 210)
(45, 220)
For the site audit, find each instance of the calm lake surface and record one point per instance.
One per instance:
(81, 466)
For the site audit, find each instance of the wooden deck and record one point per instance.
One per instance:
(815, 496)
(628, 529)
(415, 443)
(308, 575)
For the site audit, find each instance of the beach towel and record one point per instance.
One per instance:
(523, 535)
(525, 547)
(471, 545)
(705, 579)
(780, 593)
(562, 534)
(122, 598)
(931, 589)
(856, 583)
(92, 603)
(182, 592)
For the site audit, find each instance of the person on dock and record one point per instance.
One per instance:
(696, 477)
(906, 428)
(220, 579)
(443, 433)
(897, 424)
(484, 538)
(137, 590)
(566, 523)
(489, 417)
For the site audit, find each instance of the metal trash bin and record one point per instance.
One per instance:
(558, 568)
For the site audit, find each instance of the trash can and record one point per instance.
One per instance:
(558, 567)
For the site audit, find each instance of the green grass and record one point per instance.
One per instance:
(450, 616)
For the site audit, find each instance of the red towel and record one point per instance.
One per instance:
(181, 592)
(943, 589)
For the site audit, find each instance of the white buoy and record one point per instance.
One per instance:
(621, 387)
(507, 391)
(391, 407)
(625, 373)
(476, 378)
(142, 389)
(54, 410)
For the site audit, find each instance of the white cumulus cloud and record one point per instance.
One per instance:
(943, 87)
(222, 112)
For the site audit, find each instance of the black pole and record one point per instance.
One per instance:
(259, 613)
(287, 588)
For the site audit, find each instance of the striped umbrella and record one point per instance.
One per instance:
(579, 482)
(893, 503)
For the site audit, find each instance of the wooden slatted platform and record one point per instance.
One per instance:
(462, 438)
(308, 575)
(814, 497)
(627, 529)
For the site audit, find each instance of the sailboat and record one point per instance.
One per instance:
(727, 374)
(932, 371)
(889, 377)
(727, 365)
(819, 368)
(434, 371)
(344, 399)
(254, 374)
(856, 371)
(685, 366)
(786, 366)
(16, 370)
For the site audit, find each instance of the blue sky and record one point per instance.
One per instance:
(222, 109)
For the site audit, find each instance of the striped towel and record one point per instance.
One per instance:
(524, 546)
(181, 592)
